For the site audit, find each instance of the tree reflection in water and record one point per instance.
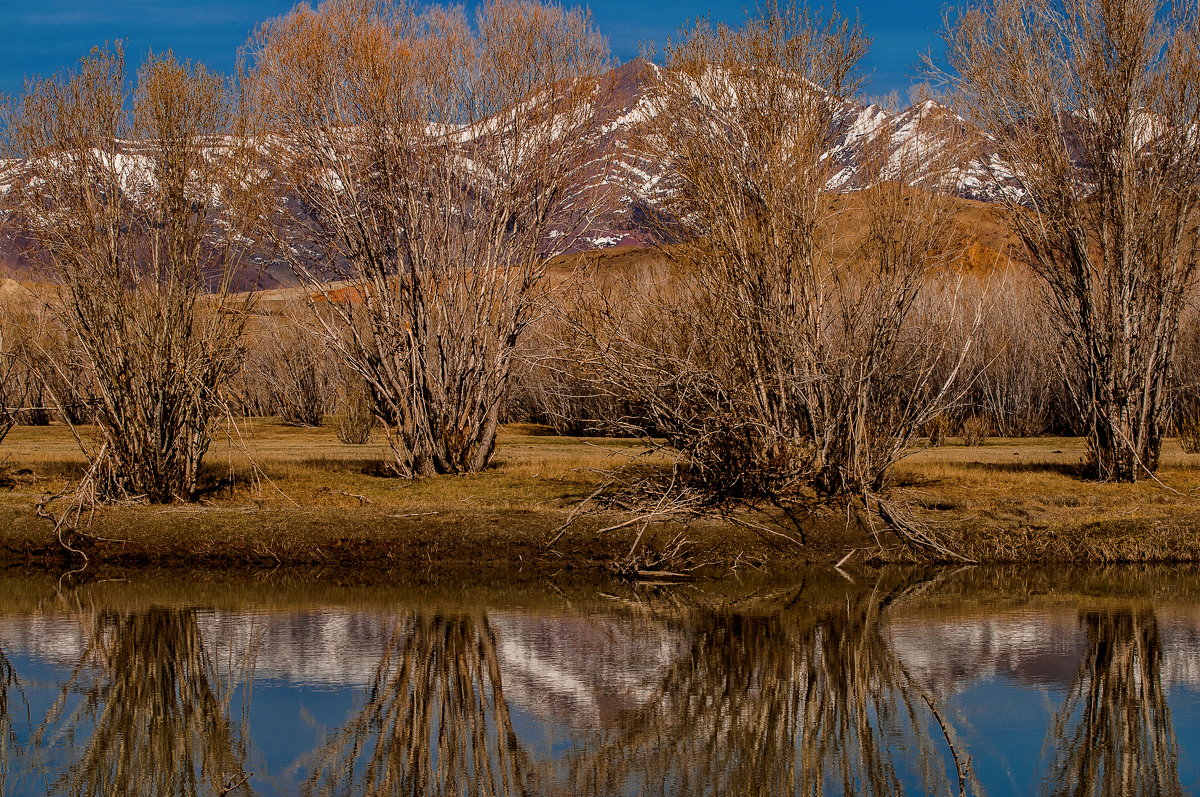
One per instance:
(770, 702)
(10, 749)
(797, 692)
(804, 701)
(1113, 734)
(148, 694)
(435, 720)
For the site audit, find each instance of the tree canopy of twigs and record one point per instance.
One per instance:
(795, 348)
(432, 158)
(1093, 107)
(138, 200)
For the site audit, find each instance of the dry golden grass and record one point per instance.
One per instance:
(1023, 500)
(273, 464)
(290, 495)
(282, 493)
(1044, 474)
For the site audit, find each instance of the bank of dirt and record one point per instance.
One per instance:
(345, 543)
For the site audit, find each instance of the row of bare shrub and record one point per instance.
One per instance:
(1014, 377)
(285, 371)
(289, 372)
(1012, 380)
(1015, 383)
(799, 340)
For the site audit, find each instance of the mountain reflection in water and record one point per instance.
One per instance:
(896, 682)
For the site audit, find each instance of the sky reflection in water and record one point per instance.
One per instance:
(896, 683)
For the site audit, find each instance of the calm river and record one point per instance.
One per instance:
(972, 681)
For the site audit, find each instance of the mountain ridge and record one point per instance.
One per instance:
(627, 185)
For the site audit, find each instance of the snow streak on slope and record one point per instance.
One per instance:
(625, 185)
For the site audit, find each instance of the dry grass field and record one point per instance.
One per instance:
(1024, 500)
(286, 495)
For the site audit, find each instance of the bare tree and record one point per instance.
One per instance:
(795, 348)
(139, 207)
(432, 162)
(1092, 110)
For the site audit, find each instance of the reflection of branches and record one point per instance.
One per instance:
(157, 725)
(799, 702)
(9, 746)
(435, 720)
(1113, 733)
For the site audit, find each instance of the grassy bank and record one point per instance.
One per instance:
(289, 496)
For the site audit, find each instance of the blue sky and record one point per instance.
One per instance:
(43, 36)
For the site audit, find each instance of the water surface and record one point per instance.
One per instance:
(970, 681)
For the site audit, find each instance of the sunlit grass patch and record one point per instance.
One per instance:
(276, 491)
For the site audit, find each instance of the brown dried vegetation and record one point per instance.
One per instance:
(432, 159)
(120, 194)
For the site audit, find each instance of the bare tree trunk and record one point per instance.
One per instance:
(1091, 111)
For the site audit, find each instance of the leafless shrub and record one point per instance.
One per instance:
(357, 418)
(431, 158)
(289, 366)
(797, 345)
(30, 390)
(937, 431)
(1186, 416)
(138, 205)
(51, 361)
(1187, 425)
(7, 421)
(1092, 110)
(1018, 385)
(550, 387)
(975, 429)
(11, 391)
(246, 394)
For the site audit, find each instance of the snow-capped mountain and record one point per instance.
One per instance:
(626, 185)
(911, 142)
